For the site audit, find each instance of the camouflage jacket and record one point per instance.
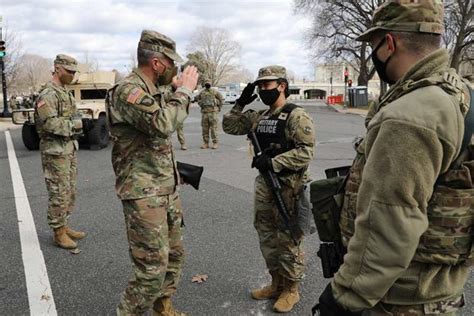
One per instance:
(299, 130)
(141, 126)
(412, 139)
(210, 100)
(54, 109)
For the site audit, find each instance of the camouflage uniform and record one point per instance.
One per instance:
(211, 102)
(58, 126)
(277, 247)
(410, 249)
(147, 179)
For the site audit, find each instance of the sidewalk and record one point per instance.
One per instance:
(340, 109)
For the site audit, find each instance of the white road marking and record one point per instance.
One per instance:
(40, 296)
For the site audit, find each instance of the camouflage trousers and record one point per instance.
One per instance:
(60, 173)
(155, 247)
(277, 247)
(209, 123)
(444, 308)
(180, 133)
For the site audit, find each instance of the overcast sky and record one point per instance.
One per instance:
(108, 30)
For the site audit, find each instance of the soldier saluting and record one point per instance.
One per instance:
(142, 121)
(286, 136)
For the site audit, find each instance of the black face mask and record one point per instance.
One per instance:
(208, 86)
(269, 97)
(380, 66)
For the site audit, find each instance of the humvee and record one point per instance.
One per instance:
(89, 90)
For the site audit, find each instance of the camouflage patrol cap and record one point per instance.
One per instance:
(160, 43)
(273, 72)
(66, 61)
(419, 16)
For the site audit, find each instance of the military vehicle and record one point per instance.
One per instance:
(89, 90)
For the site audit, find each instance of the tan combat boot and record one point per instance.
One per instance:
(183, 147)
(204, 146)
(164, 307)
(272, 290)
(62, 239)
(214, 146)
(288, 297)
(74, 234)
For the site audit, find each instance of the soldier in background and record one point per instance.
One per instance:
(211, 103)
(181, 139)
(141, 124)
(59, 125)
(407, 215)
(286, 136)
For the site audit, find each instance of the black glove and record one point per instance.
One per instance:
(329, 307)
(247, 95)
(262, 163)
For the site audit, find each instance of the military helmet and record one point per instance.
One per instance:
(273, 72)
(68, 62)
(419, 16)
(160, 43)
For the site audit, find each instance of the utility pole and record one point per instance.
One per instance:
(5, 112)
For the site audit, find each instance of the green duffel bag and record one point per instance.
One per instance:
(326, 198)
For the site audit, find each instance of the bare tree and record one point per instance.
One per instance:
(14, 50)
(238, 75)
(459, 31)
(220, 52)
(91, 62)
(33, 71)
(336, 24)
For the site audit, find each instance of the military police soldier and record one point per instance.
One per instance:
(211, 102)
(407, 215)
(286, 135)
(59, 124)
(141, 125)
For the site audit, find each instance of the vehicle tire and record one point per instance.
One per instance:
(30, 136)
(98, 135)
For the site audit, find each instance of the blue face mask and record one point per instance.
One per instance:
(380, 66)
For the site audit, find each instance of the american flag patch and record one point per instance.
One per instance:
(134, 95)
(40, 104)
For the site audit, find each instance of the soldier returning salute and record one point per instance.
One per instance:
(211, 102)
(407, 218)
(286, 136)
(146, 175)
(59, 125)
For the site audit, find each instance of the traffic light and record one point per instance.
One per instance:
(2, 49)
(346, 75)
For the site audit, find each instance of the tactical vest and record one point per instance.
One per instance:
(207, 99)
(270, 132)
(450, 234)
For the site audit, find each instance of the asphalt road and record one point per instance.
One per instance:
(219, 236)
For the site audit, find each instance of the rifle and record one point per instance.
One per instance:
(272, 181)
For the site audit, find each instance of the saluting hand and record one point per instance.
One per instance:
(187, 79)
(247, 95)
